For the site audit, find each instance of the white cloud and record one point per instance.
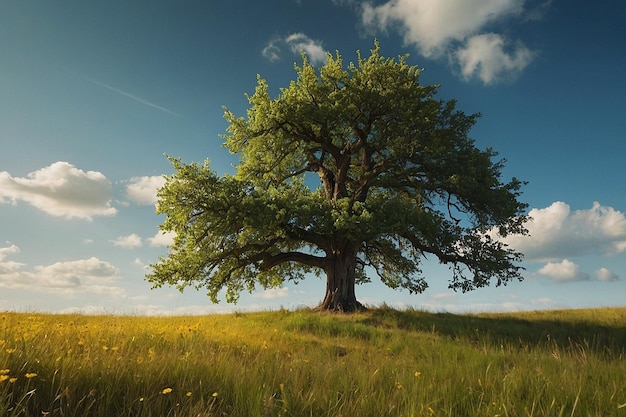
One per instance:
(564, 271)
(143, 190)
(9, 250)
(604, 274)
(484, 56)
(432, 25)
(129, 242)
(297, 43)
(138, 262)
(87, 270)
(272, 50)
(9, 267)
(162, 239)
(273, 293)
(455, 28)
(62, 190)
(556, 232)
(69, 278)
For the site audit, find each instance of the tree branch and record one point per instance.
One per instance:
(270, 261)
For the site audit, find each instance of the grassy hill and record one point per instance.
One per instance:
(381, 362)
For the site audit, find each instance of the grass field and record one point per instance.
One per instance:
(381, 362)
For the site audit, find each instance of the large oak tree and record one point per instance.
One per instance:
(352, 173)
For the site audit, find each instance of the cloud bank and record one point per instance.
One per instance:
(557, 232)
(70, 278)
(567, 271)
(61, 190)
(458, 30)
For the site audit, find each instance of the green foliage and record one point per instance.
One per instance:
(301, 363)
(361, 165)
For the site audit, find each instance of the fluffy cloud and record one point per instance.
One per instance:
(134, 241)
(69, 278)
(567, 271)
(484, 56)
(604, 274)
(162, 239)
(143, 190)
(556, 232)
(91, 270)
(9, 250)
(6, 267)
(299, 42)
(272, 50)
(138, 262)
(455, 28)
(62, 190)
(564, 271)
(128, 242)
(296, 43)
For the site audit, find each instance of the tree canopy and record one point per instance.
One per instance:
(353, 173)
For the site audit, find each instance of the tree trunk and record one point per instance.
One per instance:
(340, 283)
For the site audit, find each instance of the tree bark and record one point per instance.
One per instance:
(340, 284)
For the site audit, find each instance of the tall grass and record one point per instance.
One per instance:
(303, 363)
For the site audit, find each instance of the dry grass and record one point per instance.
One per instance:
(302, 363)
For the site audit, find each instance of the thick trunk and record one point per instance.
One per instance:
(340, 283)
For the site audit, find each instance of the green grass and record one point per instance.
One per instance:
(381, 362)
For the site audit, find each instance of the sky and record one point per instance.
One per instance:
(93, 95)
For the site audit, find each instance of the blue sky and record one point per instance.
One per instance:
(92, 94)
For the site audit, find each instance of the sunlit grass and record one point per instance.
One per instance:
(302, 363)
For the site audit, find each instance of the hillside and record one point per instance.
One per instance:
(303, 363)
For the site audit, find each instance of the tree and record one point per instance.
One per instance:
(348, 173)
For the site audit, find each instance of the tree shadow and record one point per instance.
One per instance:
(527, 330)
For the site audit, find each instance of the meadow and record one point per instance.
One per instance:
(381, 362)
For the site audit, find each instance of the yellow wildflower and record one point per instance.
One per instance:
(30, 375)
(215, 395)
(431, 411)
(188, 394)
(3, 377)
(9, 351)
(417, 374)
(166, 391)
(12, 380)
(141, 399)
(4, 371)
